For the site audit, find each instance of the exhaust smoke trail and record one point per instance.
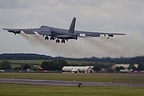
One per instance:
(117, 47)
(99, 47)
(67, 49)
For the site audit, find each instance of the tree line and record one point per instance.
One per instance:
(51, 65)
(121, 60)
(56, 65)
(7, 66)
(23, 56)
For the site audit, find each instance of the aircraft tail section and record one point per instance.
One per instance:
(72, 26)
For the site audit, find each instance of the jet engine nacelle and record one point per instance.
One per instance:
(15, 32)
(110, 35)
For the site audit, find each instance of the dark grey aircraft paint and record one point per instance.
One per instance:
(61, 35)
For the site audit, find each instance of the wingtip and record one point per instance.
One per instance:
(4, 28)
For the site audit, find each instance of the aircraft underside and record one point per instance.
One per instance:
(59, 40)
(61, 35)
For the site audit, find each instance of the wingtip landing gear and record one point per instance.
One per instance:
(108, 37)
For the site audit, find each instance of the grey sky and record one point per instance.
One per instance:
(126, 16)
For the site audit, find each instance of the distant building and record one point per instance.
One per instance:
(2, 70)
(124, 71)
(78, 69)
(126, 66)
(28, 70)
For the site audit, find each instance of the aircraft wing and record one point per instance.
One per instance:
(43, 30)
(52, 33)
(95, 34)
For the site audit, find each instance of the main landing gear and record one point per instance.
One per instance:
(57, 40)
(46, 38)
(49, 38)
(62, 41)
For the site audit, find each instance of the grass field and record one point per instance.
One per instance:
(120, 78)
(40, 61)
(32, 90)
(17, 63)
(26, 61)
(13, 89)
(36, 63)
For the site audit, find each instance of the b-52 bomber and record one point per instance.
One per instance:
(61, 35)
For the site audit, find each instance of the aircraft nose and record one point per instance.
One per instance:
(74, 17)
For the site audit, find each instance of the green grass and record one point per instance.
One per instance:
(78, 62)
(36, 63)
(120, 78)
(40, 61)
(26, 61)
(33, 90)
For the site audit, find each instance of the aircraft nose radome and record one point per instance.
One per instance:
(74, 17)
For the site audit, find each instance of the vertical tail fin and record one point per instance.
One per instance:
(72, 26)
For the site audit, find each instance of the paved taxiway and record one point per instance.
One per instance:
(63, 83)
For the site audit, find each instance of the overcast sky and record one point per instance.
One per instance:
(125, 16)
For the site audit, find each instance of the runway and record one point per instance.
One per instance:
(64, 83)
